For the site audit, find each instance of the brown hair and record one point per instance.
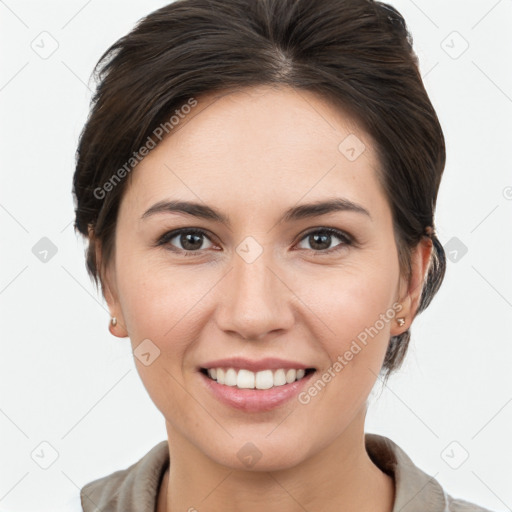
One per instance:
(356, 53)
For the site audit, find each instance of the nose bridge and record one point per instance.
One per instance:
(251, 273)
(254, 299)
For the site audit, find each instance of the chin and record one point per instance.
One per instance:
(258, 453)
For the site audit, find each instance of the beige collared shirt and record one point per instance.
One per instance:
(135, 489)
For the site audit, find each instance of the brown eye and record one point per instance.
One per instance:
(320, 240)
(188, 240)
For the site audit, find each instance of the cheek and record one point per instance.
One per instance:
(162, 304)
(355, 306)
(154, 295)
(352, 298)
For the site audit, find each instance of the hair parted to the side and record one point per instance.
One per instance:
(356, 53)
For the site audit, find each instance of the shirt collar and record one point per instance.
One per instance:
(135, 489)
(415, 490)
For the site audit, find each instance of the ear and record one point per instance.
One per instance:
(410, 292)
(109, 291)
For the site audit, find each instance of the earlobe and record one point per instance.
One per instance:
(116, 328)
(420, 262)
(402, 318)
(116, 324)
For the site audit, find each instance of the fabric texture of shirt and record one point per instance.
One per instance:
(136, 488)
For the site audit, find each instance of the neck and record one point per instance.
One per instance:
(339, 476)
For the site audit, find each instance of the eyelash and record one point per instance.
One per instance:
(344, 237)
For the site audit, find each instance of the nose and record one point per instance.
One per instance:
(256, 299)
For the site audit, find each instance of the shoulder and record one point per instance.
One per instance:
(460, 505)
(134, 488)
(415, 490)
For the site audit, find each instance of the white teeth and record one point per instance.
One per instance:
(279, 378)
(230, 379)
(265, 379)
(245, 379)
(291, 375)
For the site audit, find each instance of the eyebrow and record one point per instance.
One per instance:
(299, 212)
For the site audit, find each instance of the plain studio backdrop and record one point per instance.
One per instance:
(72, 406)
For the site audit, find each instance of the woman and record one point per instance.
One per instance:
(257, 182)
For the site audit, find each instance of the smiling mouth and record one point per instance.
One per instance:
(264, 379)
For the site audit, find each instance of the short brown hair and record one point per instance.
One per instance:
(356, 53)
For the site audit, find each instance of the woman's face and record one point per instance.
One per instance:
(260, 283)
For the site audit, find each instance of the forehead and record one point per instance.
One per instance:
(266, 119)
(278, 143)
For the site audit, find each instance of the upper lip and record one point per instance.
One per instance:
(268, 363)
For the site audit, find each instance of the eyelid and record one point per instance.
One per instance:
(347, 239)
(330, 230)
(173, 233)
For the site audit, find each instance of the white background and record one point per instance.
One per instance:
(66, 381)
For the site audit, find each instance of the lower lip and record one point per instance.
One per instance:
(255, 400)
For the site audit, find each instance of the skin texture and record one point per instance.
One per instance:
(252, 154)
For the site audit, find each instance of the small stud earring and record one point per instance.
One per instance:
(401, 321)
(113, 321)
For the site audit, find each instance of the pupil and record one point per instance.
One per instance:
(190, 245)
(324, 237)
